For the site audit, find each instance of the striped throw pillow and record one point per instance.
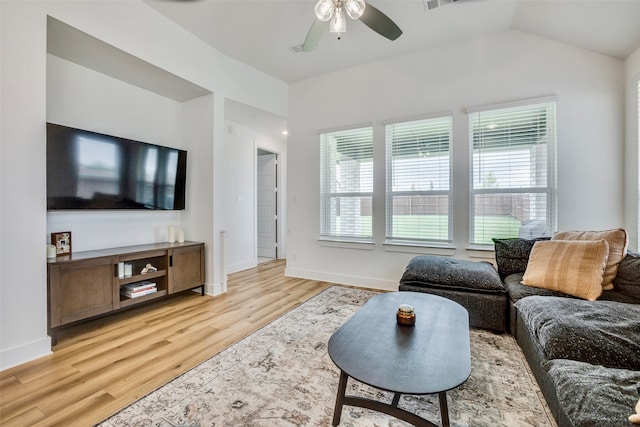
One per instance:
(573, 267)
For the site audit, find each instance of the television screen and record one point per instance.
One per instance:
(88, 170)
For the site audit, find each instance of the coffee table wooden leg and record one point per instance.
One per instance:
(396, 400)
(444, 409)
(342, 387)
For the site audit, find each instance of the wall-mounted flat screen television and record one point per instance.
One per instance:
(89, 170)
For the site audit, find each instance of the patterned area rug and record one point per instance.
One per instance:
(282, 375)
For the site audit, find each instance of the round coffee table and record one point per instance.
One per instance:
(432, 356)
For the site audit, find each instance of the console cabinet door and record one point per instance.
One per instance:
(79, 290)
(186, 267)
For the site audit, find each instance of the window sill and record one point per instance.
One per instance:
(480, 252)
(420, 248)
(347, 244)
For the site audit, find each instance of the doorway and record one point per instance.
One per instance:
(267, 205)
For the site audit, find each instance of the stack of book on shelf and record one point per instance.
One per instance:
(138, 289)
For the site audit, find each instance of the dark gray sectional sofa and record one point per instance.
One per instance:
(585, 355)
(586, 358)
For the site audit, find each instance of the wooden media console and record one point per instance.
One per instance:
(87, 284)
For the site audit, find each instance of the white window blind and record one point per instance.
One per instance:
(346, 184)
(513, 172)
(418, 157)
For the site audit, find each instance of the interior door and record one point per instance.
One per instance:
(267, 206)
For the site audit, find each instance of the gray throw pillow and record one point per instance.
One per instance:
(512, 255)
(627, 280)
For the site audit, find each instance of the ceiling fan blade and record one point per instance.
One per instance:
(380, 23)
(317, 30)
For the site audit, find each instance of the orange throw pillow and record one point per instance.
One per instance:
(618, 242)
(572, 267)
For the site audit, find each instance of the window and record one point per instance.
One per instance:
(418, 181)
(346, 184)
(512, 172)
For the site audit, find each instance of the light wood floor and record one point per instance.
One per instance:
(100, 366)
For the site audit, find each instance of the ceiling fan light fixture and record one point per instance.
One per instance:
(355, 8)
(334, 12)
(338, 23)
(324, 9)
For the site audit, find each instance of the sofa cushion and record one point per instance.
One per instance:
(571, 267)
(512, 255)
(627, 280)
(517, 290)
(600, 332)
(451, 273)
(617, 240)
(594, 395)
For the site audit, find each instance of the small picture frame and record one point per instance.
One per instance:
(62, 242)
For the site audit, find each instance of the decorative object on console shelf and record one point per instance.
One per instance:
(51, 251)
(148, 269)
(128, 269)
(138, 289)
(62, 242)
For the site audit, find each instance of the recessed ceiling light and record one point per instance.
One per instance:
(284, 132)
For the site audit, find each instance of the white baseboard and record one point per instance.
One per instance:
(241, 266)
(25, 353)
(342, 279)
(213, 289)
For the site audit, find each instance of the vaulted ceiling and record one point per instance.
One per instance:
(261, 33)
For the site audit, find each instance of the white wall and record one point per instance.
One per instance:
(240, 176)
(196, 221)
(23, 90)
(23, 295)
(240, 197)
(499, 68)
(632, 215)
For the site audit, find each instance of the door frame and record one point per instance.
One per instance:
(258, 151)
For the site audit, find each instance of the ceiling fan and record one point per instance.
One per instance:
(332, 13)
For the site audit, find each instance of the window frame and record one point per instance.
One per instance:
(326, 195)
(390, 239)
(637, 85)
(550, 190)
